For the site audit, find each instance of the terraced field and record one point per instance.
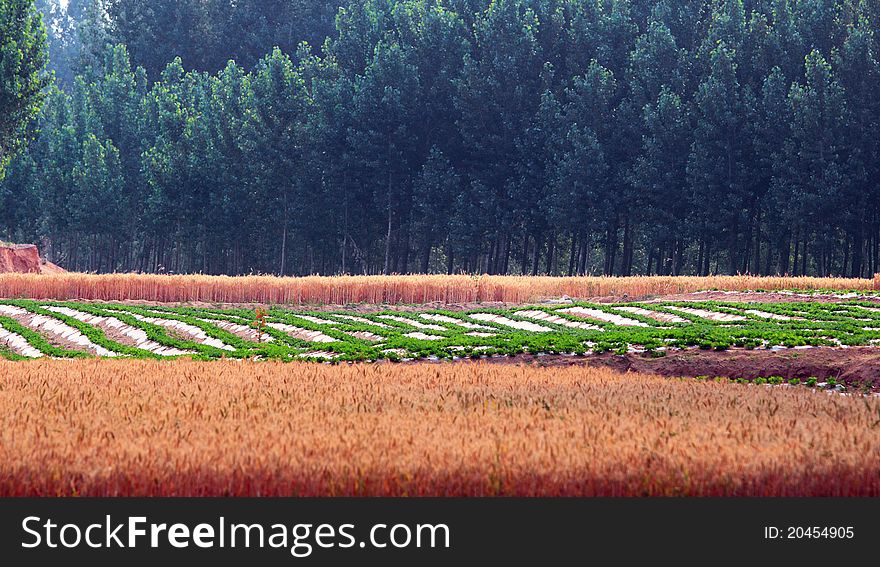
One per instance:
(35, 329)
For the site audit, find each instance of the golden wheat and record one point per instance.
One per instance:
(232, 428)
(382, 289)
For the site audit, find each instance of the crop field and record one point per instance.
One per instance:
(34, 329)
(132, 427)
(113, 398)
(343, 290)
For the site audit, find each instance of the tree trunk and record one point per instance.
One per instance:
(626, 267)
(707, 259)
(450, 257)
(388, 232)
(804, 259)
(387, 269)
(857, 254)
(610, 249)
(505, 258)
(700, 256)
(426, 258)
(582, 262)
(537, 255)
(283, 244)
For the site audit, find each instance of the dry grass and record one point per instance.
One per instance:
(231, 428)
(381, 289)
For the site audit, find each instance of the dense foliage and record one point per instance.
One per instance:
(22, 78)
(517, 136)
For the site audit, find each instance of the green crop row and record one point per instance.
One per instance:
(810, 324)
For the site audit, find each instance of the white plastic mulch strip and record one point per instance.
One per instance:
(501, 320)
(453, 321)
(766, 315)
(366, 335)
(396, 351)
(319, 354)
(314, 320)
(363, 320)
(195, 332)
(12, 310)
(479, 334)
(874, 309)
(68, 333)
(556, 319)
(303, 334)
(655, 315)
(18, 344)
(475, 348)
(139, 336)
(413, 323)
(243, 331)
(710, 315)
(600, 315)
(423, 337)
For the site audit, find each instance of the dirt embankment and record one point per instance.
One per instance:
(24, 259)
(857, 367)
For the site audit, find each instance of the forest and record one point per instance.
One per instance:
(562, 137)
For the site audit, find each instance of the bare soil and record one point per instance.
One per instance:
(857, 367)
(19, 258)
(25, 259)
(756, 297)
(116, 335)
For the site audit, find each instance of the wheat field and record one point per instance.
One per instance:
(342, 290)
(133, 428)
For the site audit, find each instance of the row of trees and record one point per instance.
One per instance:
(205, 34)
(513, 136)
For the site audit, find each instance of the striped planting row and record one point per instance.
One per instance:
(195, 333)
(453, 321)
(18, 344)
(772, 316)
(302, 334)
(412, 323)
(556, 320)
(656, 315)
(363, 320)
(138, 336)
(519, 325)
(603, 316)
(710, 315)
(577, 329)
(242, 331)
(55, 328)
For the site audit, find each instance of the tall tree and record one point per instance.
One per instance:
(817, 157)
(719, 166)
(23, 56)
(385, 135)
(279, 108)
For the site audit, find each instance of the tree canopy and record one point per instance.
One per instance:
(511, 136)
(22, 79)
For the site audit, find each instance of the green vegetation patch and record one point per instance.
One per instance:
(284, 334)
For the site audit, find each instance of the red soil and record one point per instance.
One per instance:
(24, 259)
(858, 367)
